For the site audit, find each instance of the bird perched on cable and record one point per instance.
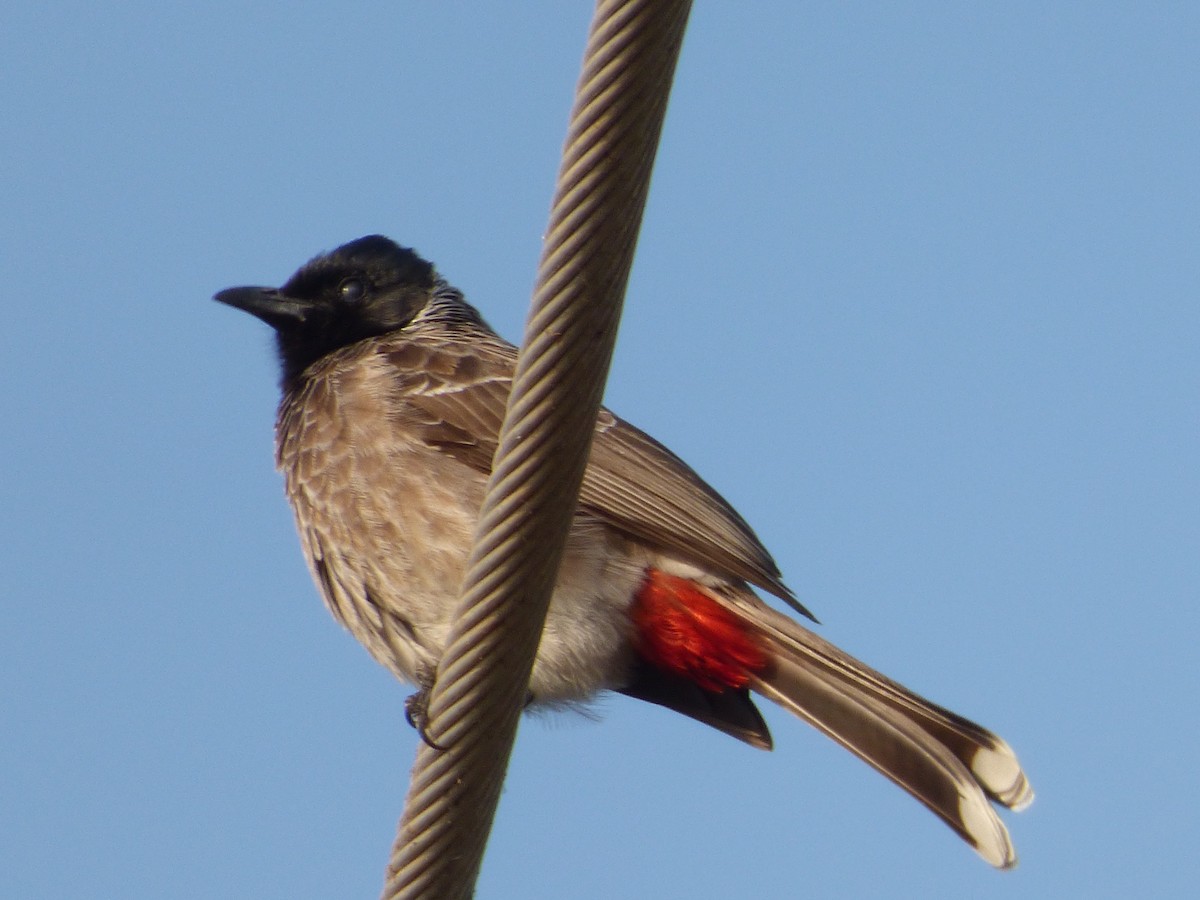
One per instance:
(393, 393)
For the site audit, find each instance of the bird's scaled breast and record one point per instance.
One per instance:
(387, 520)
(384, 519)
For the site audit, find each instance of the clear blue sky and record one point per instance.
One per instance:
(917, 291)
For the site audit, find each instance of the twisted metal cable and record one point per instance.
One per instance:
(483, 677)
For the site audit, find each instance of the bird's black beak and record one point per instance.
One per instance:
(276, 309)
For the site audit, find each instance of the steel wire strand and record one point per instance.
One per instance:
(483, 677)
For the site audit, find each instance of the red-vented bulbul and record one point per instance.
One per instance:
(393, 392)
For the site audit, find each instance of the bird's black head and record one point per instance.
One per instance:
(362, 289)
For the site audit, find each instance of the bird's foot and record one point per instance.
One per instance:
(416, 707)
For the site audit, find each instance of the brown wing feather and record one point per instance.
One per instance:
(453, 395)
(645, 489)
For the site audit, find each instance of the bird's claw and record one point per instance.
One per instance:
(416, 710)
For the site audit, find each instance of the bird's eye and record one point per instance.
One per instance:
(351, 291)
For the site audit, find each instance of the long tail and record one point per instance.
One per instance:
(702, 650)
(950, 764)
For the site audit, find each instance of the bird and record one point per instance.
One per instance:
(393, 393)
